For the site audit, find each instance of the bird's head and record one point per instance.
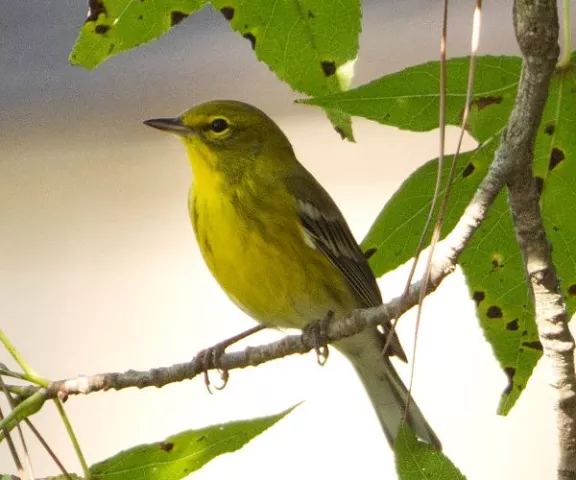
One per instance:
(230, 137)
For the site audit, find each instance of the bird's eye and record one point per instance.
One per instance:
(219, 125)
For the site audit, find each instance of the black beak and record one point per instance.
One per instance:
(172, 125)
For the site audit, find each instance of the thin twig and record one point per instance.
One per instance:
(453, 166)
(440, 168)
(12, 404)
(48, 449)
(442, 146)
(13, 451)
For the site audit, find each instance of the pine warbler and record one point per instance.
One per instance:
(278, 245)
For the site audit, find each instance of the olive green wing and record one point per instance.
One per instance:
(331, 235)
(327, 230)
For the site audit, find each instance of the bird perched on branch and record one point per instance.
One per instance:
(279, 246)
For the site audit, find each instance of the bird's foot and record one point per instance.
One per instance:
(209, 358)
(317, 333)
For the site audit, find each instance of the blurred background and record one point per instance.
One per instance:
(99, 269)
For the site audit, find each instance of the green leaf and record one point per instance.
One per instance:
(71, 476)
(496, 281)
(24, 409)
(555, 171)
(181, 454)
(311, 45)
(419, 461)
(397, 229)
(492, 263)
(115, 26)
(410, 99)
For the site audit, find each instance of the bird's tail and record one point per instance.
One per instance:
(385, 388)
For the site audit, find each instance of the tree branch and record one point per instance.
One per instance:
(536, 27)
(444, 261)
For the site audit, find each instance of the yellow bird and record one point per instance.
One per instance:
(279, 246)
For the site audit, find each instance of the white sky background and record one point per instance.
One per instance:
(99, 270)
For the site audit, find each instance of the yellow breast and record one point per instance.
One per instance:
(256, 250)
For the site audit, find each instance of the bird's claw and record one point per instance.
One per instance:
(210, 358)
(317, 332)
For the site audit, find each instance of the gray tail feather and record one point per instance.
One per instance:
(389, 397)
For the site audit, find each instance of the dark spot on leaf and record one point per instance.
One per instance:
(550, 129)
(524, 333)
(510, 372)
(535, 345)
(494, 312)
(329, 68)
(340, 132)
(101, 29)
(176, 17)
(556, 228)
(111, 48)
(483, 102)
(539, 183)
(513, 325)
(140, 17)
(572, 289)
(556, 156)
(496, 263)
(95, 8)
(166, 446)
(252, 38)
(468, 170)
(201, 438)
(310, 14)
(228, 13)
(368, 253)
(478, 296)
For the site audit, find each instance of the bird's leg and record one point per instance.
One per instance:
(317, 332)
(210, 357)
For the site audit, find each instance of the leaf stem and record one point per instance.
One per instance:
(29, 373)
(73, 438)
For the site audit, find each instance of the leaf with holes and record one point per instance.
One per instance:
(419, 461)
(491, 263)
(555, 172)
(181, 454)
(308, 44)
(115, 26)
